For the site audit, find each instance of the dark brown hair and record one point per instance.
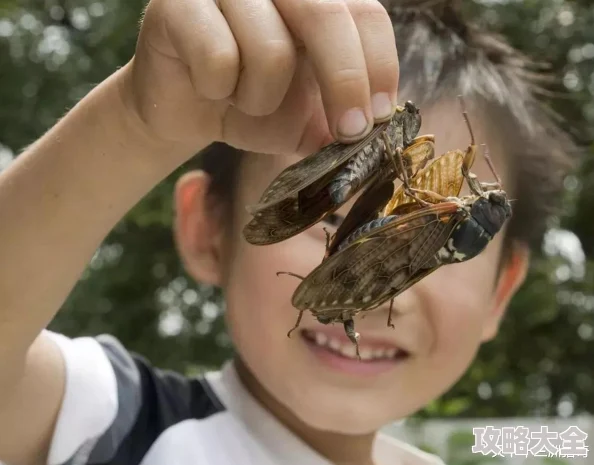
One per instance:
(442, 56)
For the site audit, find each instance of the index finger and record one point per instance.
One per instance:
(332, 41)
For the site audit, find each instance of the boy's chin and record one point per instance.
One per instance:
(345, 414)
(346, 420)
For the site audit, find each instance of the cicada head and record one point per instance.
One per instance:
(411, 122)
(492, 210)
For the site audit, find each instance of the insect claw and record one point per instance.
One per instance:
(390, 324)
(296, 324)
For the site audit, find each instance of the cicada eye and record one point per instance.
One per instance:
(498, 197)
(410, 107)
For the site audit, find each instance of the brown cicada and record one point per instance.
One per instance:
(319, 184)
(368, 265)
(443, 178)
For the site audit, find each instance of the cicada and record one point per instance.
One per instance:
(319, 184)
(368, 265)
(386, 256)
(441, 179)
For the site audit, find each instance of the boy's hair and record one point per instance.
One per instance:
(441, 57)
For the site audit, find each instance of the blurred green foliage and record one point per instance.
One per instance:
(52, 52)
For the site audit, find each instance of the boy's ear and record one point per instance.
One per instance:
(511, 277)
(197, 227)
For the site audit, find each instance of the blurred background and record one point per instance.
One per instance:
(538, 370)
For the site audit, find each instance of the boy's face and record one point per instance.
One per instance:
(440, 322)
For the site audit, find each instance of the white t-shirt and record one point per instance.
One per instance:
(118, 409)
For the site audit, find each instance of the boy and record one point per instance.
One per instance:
(285, 78)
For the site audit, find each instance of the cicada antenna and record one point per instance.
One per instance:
(465, 115)
(491, 165)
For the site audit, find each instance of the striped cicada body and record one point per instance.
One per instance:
(319, 184)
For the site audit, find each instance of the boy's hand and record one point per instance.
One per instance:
(268, 76)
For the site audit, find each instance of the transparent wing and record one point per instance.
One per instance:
(284, 220)
(384, 260)
(418, 154)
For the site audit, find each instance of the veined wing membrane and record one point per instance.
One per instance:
(443, 176)
(311, 168)
(355, 277)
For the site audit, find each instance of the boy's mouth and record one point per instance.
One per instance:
(342, 347)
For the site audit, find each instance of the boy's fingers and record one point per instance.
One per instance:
(331, 39)
(379, 46)
(203, 40)
(268, 56)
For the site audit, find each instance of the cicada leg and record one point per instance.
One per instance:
(349, 329)
(489, 161)
(296, 324)
(278, 273)
(390, 324)
(490, 186)
(432, 195)
(476, 187)
(401, 173)
(473, 183)
(470, 155)
(467, 163)
(395, 157)
(328, 240)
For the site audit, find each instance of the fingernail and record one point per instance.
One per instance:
(353, 123)
(381, 105)
(394, 99)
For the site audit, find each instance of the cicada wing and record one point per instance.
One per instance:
(420, 152)
(384, 259)
(283, 220)
(443, 176)
(365, 209)
(391, 293)
(371, 203)
(311, 168)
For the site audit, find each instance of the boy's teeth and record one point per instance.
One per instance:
(334, 344)
(349, 350)
(321, 339)
(366, 353)
(378, 353)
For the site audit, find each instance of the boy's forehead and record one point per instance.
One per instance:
(445, 121)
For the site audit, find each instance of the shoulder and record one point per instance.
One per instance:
(116, 404)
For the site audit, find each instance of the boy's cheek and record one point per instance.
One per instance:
(255, 287)
(458, 299)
